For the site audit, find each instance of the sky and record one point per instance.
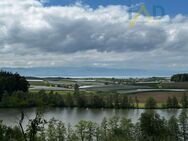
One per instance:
(172, 8)
(93, 33)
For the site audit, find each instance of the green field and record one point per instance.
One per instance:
(160, 89)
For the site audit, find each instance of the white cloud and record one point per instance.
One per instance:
(33, 35)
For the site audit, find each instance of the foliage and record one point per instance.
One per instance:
(184, 101)
(150, 103)
(179, 77)
(85, 100)
(10, 83)
(76, 89)
(172, 102)
(150, 127)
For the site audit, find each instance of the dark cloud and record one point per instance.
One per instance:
(29, 29)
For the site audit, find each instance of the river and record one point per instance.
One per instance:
(73, 115)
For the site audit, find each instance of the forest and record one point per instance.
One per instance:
(150, 127)
(10, 83)
(180, 77)
(20, 99)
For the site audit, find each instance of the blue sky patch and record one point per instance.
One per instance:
(170, 7)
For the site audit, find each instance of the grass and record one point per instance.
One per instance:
(38, 83)
(141, 105)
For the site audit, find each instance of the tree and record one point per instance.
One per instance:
(104, 129)
(175, 102)
(10, 83)
(97, 101)
(69, 100)
(2, 131)
(51, 131)
(137, 102)
(116, 101)
(179, 77)
(152, 126)
(131, 102)
(184, 101)
(76, 89)
(81, 130)
(98, 134)
(109, 101)
(173, 128)
(183, 120)
(150, 103)
(125, 102)
(127, 128)
(114, 125)
(61, 131)
(169, 102)
(71, 135)
(91, 130)
(81, 101)
(35, 126)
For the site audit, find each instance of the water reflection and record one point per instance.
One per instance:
(73, 115)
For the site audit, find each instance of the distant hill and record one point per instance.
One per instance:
(180, 77)
(87, 72)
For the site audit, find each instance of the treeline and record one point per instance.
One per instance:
(150, 127)
(86, 100)
(10, 83)
(51, 99)
(180, 77)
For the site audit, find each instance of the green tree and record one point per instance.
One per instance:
(51, 131)
(10, 83)
(97, 101)
(125, 102)
(71, 135)
(61, 131)
(2, 131)
(116, 101)
(104, 129)
(98, 134)
(35, 126)
(82, 101)
(183, 120)
(173, 128)
(152, 126)
(109, 101)
(131, 102)
(150, 103)
(69, 102)
(76, 89)
(114, 126)
(137, 102)
(91, 130)
(81, 130)
(179, 78)
(169, 103)
(174, 102)
(184, 101)
(127, 128)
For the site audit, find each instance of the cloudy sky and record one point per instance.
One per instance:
(66, 33)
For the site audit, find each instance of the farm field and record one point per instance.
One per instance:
(160, 89)
(160, 97)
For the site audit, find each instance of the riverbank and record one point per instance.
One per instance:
(85, 99)
(11, 116)
(114, 127)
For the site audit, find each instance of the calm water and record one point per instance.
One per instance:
(73, 115)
